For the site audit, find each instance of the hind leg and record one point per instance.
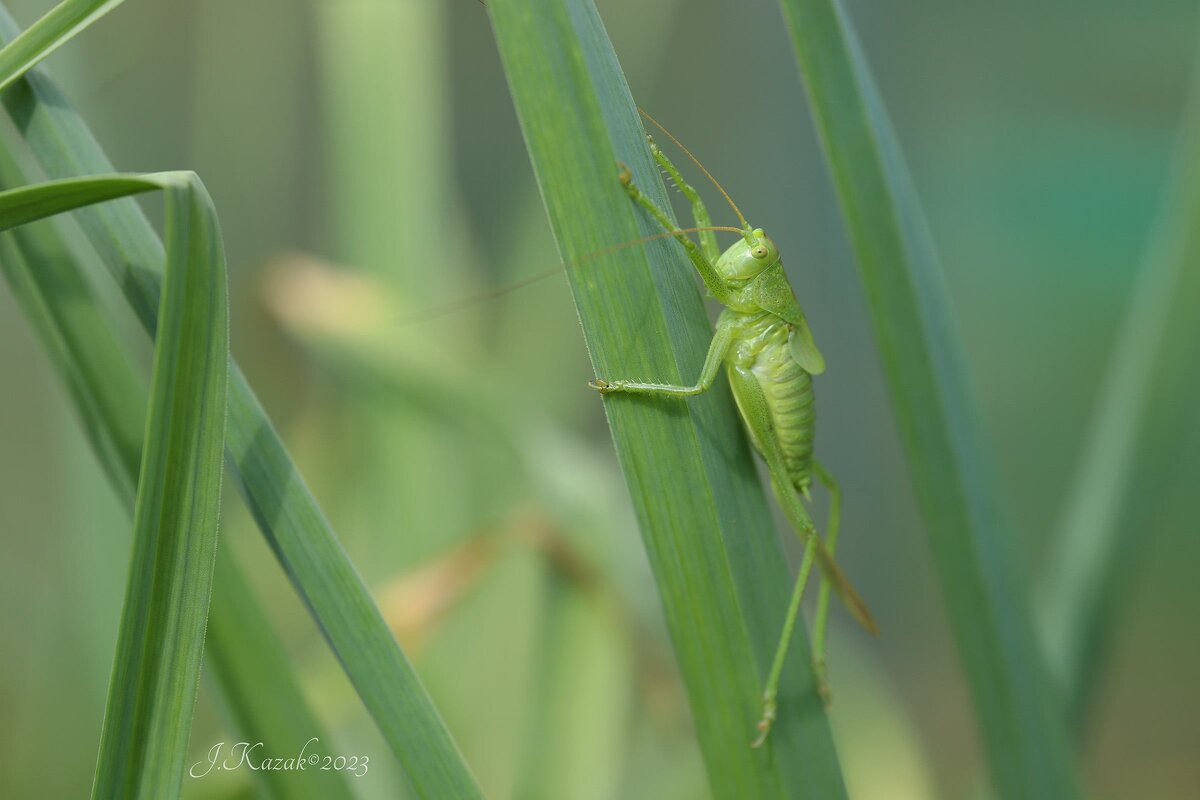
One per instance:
(771, 690)
(822, 617)
(756, 415)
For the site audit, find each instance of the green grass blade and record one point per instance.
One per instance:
(1129, 461)
(257, 680)
(106, 391)
(48, 34)
(711, 542)
(30, 203)
(318, 567)
(269, 481)
(157, 668)
(156, 673)
(983, 584)
(259, 685)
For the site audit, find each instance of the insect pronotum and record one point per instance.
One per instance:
(769, 355)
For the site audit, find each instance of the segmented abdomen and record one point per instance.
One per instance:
(788, 389)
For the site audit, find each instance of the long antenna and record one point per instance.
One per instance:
(492, 294)
(696, 161)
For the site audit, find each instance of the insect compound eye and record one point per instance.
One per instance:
(759, 251)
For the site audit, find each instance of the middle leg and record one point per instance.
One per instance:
(717, 349)
(713, 281)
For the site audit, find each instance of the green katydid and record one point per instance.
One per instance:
(770, 357)
(765, 343)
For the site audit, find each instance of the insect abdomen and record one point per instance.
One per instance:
(789, 393)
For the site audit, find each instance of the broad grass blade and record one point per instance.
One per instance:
(712, 545)
(983, 583)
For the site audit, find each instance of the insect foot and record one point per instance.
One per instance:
(624, 175)
(768, 719)
(822, 683)
(604, 387)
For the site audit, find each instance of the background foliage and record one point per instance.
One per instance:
(466, 465)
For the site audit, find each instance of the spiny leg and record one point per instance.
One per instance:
(708, 373)
(708, 272)
(708, 239)
(822, 618)
(757, 417)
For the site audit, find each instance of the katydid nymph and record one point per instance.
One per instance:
(769, 355)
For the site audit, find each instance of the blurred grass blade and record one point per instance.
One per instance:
(1129, 461)
(260, 687)
(388, 173)
(111, 400)
(107, 392)
(581, 708)
(712, 545)
(326, 580)
(157, 667)
(983, 584)
(48, 34)
(282, 506)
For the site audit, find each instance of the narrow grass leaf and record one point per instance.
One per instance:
(156, 674)
(48, 34)
(157, 669)
(245, 656)
(712, 545)
(983, 584)
(282, 505)
(29, 203)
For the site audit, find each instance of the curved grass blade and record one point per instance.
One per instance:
(157, 668)
(30, 203)
(282, 506)
(983, 584)
(48, 34)
(111, 399)
(1140, 427)
(711, 542)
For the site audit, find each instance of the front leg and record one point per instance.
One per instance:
(717, 349)
(713, 281)
(708, 239)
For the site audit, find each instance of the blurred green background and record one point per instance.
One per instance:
(463, 461)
